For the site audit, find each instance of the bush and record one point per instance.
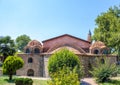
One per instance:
(62, 58)
(64, 77)
(23, 81)
(102, 71)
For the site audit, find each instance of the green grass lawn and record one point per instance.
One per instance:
(4, 81)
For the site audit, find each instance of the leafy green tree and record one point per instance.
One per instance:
(108, 28)
(11, 64)
(22, 41)
(103, 70)
(7, 47)
(62, 58)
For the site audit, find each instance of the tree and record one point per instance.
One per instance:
(7, 47)
(11, 64)
(108, 29)
(22, 41)
(62, 58)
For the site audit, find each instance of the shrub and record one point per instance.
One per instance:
(62, 58)
(102, 71)
(64, 77)
(23, 81)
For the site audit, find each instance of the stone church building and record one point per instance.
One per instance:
(36, 54)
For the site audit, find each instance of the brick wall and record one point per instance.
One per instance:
(66, 39)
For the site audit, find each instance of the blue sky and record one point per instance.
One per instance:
(44, 19)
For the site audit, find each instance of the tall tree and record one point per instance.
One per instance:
(22, 41)
(7, 47)
(108, 29)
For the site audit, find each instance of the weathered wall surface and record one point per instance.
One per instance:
(40, 64)
(36, 66)
(89, 61)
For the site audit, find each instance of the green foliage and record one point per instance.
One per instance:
(66, 76)
(103, 71)
(107, 30)
(22, 41)
(23, 81)
(62, 58)
(11, 64)
(7, 47)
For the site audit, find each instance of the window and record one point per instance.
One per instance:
(30, 60)
(96, 51)
(36, 50)
(27, 50)
(30, 72)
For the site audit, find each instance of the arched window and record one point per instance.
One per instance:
(30, 72)
(102, 61)
(96, 51)
(27, 50)
(36, 50)
(30, 60)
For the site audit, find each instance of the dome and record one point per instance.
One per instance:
(34, 43)
(98, 44)
(33, 46)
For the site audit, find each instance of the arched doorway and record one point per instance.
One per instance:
(30, 72)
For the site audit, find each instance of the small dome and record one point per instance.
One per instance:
(34, 43)
(98, 44)
(33, 46)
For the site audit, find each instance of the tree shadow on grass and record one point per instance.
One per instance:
(10, 81)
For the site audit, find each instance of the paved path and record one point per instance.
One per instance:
(88, 81)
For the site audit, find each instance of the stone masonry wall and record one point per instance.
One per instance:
(36, 66)
(88, 61)
(40, 64)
